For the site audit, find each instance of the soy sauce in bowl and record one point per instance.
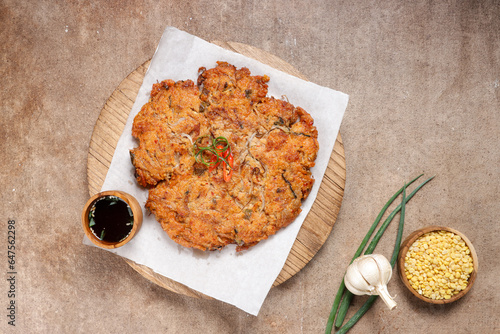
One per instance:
(111, 219)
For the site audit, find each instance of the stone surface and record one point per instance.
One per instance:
(424, 85)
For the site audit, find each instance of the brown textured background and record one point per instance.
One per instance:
(424, 85)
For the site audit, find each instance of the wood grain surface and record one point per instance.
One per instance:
(317, 225)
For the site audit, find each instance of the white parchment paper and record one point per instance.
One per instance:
(242, 279)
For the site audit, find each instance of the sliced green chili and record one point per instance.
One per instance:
(200, 156)
(199, 140)
(220, 140)
(213, 149)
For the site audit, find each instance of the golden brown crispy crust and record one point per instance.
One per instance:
(274, 145)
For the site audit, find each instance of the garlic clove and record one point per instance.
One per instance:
(355, 282)
(385, 267)
(370, 270)
(355, 291)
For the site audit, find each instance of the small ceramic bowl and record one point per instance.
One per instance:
(409, 242)
(136, 212)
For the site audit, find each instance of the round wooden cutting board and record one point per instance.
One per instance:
(318, 223)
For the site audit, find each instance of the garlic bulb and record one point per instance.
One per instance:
(369, 275)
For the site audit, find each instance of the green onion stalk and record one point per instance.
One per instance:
(344, 297)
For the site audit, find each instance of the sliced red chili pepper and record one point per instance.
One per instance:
(227, 175)
(213, 161)
(213, 164)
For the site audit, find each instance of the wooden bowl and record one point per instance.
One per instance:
(136, 212)
(407, 244)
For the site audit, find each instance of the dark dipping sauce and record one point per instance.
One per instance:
(111, 219)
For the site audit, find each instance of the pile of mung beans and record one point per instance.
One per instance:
(438, 265)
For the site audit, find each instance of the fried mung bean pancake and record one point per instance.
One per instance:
(274, 145)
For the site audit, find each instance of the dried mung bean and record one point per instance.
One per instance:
(438, 265)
